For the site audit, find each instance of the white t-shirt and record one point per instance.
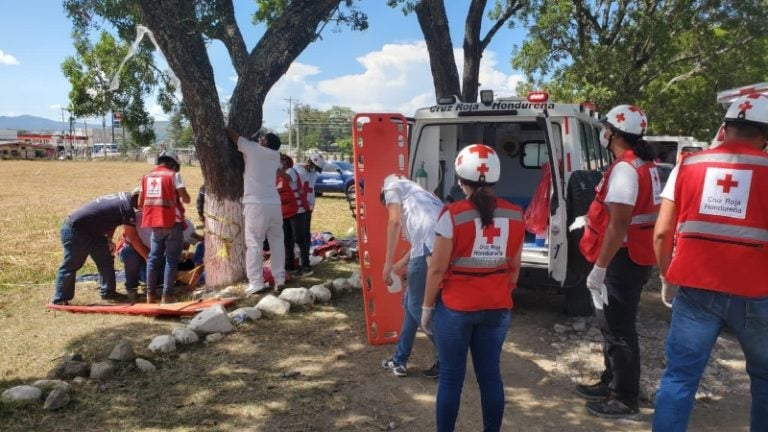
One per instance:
(622, 185)
(669, 188)
(306, 177)
(419, 211)
(261, 165)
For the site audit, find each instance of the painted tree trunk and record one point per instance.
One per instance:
(224, 241)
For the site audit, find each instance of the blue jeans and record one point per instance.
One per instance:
(697, 318)
(78, 245)
(412, 301)
(166, 246)
(482, 333)
(135, 268)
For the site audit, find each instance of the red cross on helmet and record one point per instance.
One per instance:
(478, 163)
(749, 109)
(628, 119)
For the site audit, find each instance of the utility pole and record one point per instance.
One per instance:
(290, 123)
(298, 130)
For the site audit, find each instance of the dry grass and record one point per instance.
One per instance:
(221, 385)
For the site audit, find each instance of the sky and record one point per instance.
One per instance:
(382, 69)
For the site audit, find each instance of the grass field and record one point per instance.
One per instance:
(35, 197)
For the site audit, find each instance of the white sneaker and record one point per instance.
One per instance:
(254, 289)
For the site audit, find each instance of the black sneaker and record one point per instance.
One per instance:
(114, 297)
(302, 272)
(433, 372)
(594, 392)
(611, 409)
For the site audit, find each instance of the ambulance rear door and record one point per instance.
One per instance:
(557, 264)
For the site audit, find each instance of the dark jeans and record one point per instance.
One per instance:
(621, 351)
(166, 246)
(135, 267)
(289, 242)
(698, 316)
(482, 333)
(78, 245)
(300, 229)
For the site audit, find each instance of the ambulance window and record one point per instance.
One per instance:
(590, 154)
(535, 154)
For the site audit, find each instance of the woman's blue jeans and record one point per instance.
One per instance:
(697, 318)
(412, 301)
(166, 246)
(481, 333)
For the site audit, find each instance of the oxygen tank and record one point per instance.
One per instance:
(421, 177)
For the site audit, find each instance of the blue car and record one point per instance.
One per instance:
(337, 176)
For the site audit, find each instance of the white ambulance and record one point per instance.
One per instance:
(526, 132)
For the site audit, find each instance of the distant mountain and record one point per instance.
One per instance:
(40, 124)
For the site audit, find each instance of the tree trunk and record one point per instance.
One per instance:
(174, 25)
(473, 51)
(434, 26)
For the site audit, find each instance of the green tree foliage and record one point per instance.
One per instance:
(179, 130)
(90, 71)
(669, 57)
(328, 131)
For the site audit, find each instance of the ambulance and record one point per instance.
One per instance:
(530, 134)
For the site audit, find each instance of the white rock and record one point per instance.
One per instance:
(356, 280)
(231, 291)
(321, 293)
(341, 284)
(212, 320)
(272, 305)
(57, 398)
(579, 325)
(47, 385)
(102, 370)
(162, 344)
(559, 328)
(184, 336)
(145, 366)
(122, 352)
(214, 337)
(315, 260)
(79, 380)
(297, 296)
(21, 395)
(243, 313)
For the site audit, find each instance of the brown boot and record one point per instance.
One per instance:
(168, 299)
(151, 298)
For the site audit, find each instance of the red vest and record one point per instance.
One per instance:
(721, 241)
(160, 199)
(639, 240)
(288, 203)
(478, 277)
(300, 194)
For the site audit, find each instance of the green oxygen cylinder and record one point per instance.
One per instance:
(421, 177)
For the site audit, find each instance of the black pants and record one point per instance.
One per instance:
(289, 242)
(624, 280)
(300, 228)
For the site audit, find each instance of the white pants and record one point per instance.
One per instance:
(264, 221)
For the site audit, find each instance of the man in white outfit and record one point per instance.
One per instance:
(261, 208)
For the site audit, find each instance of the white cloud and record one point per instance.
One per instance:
(7, 59)
(395, 78)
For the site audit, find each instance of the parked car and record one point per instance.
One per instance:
(337, 176)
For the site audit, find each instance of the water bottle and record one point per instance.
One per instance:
(421, 177)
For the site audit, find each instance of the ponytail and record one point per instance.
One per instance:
(485, 204)
(639, 146)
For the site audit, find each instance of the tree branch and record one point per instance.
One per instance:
(512, 7)
(227, 31)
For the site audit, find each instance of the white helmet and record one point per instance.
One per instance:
(627, 119)
(478, 163)
(751, 109)
(169, 154)
(317, 160)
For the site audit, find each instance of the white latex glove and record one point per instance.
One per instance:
(668, 292)
(426, 319)
(597, 287)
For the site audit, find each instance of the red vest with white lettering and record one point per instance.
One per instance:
(721, 241)
(288, 203)
(482, 259)
(161, 200)
(639, 239)
(300, 193)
